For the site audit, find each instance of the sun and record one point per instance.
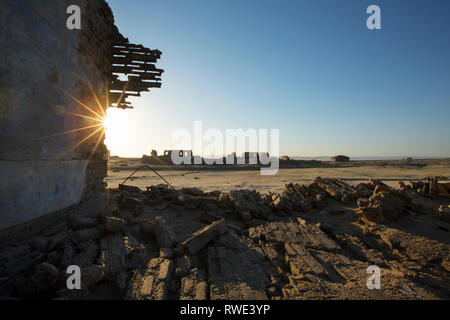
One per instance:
(101, 118)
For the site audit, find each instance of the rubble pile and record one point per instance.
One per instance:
(386, 203)
(430, 187)
(163, 243)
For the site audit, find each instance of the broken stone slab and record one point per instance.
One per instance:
(201, 238)
(236, 274)
(164, 234)
(301, 261)
(114, 225)
(337, 189)
(301, 197)
(248, 204)
(317, 237)
(151, 283)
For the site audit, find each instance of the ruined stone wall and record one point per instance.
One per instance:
(47, 74)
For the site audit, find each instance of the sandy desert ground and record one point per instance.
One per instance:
(313, 242)
(390, 172)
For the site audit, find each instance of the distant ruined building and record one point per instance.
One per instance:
(187, 157)
(55, 86)
(340, 159)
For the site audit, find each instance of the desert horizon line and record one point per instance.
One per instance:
(369, 157)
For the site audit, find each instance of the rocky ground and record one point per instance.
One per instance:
(311, 241)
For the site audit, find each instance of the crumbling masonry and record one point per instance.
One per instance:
(50, 77)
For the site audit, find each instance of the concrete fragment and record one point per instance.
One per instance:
(201, 238)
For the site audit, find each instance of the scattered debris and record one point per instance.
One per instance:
(202, 238)
(309, 241)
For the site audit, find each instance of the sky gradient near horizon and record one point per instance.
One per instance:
(309, 68)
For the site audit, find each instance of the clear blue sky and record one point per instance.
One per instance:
(309, 68)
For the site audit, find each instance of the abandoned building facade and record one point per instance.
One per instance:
(340, 159)
(55, 87)
(187, 157)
